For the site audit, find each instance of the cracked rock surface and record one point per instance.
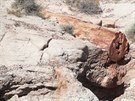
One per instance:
(40, 62)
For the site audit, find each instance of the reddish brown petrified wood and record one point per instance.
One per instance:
(114, 46)
(114, 42)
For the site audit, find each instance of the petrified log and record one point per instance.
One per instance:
(115, 43)
(101, 68)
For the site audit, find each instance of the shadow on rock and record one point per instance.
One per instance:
(103, 94)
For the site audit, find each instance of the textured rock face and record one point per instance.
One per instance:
(43, 83)
(129, 94)
(41, 62)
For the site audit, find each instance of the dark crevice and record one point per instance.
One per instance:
(2, 37)
(5, 89)
(1, 95)
(51, 88)
(46, 45)
(41, 57)
(28, 90)
(2, 99)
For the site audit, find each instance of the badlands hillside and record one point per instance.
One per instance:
(67, 50)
